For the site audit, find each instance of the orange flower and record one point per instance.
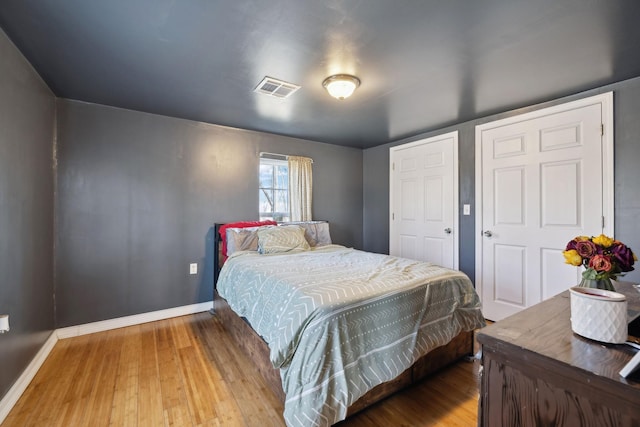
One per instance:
(600, 263)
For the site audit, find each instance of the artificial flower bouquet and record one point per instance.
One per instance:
(603, 257)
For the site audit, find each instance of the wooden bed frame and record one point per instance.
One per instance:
(258, 351)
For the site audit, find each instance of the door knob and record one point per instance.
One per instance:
(488, 233)
(447, 230)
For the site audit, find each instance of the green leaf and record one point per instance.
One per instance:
(590, 274)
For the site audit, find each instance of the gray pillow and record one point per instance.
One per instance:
(243, 239)
(281, 239)
(316, 232)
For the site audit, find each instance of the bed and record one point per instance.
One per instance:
(344, 328)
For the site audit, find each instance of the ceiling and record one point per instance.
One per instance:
(424, 64)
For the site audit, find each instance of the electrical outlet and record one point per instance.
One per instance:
(466, 209)
(4, 323)
(193, 268)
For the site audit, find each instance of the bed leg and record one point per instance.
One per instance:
(470, 357)
(214, 300)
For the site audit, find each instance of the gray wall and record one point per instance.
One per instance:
(138, 193)
(27, 117)
(627, 176)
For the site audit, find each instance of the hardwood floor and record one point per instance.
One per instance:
(185, 371)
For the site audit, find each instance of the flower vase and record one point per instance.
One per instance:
(604, 283)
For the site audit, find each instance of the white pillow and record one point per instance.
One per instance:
(273, 240)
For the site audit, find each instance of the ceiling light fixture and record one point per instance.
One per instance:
(341, 86)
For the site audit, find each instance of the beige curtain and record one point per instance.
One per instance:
(300, 188)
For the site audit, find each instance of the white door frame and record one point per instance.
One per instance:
(606, 102)
(456, 230)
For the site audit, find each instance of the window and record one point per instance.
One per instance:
(274, 190)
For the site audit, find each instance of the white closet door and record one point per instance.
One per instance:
(424, 200)
(542, 185)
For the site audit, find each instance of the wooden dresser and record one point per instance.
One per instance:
(537, 372)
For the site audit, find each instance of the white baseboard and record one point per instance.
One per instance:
(14, 393)
(136, 319)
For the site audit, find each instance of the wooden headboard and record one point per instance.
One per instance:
(217, 253)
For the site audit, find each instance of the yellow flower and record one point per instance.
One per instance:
(582, 238)
(602, 240)
(571, 257)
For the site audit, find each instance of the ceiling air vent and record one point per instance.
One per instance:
(276, 88)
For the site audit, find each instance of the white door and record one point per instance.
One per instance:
(424, 200)
(542, 183)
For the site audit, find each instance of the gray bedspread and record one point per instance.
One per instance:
(340, 321)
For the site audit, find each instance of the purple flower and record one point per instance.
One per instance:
(623, 256)
(571, 245)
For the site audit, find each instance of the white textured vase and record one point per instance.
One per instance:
(599, 315)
